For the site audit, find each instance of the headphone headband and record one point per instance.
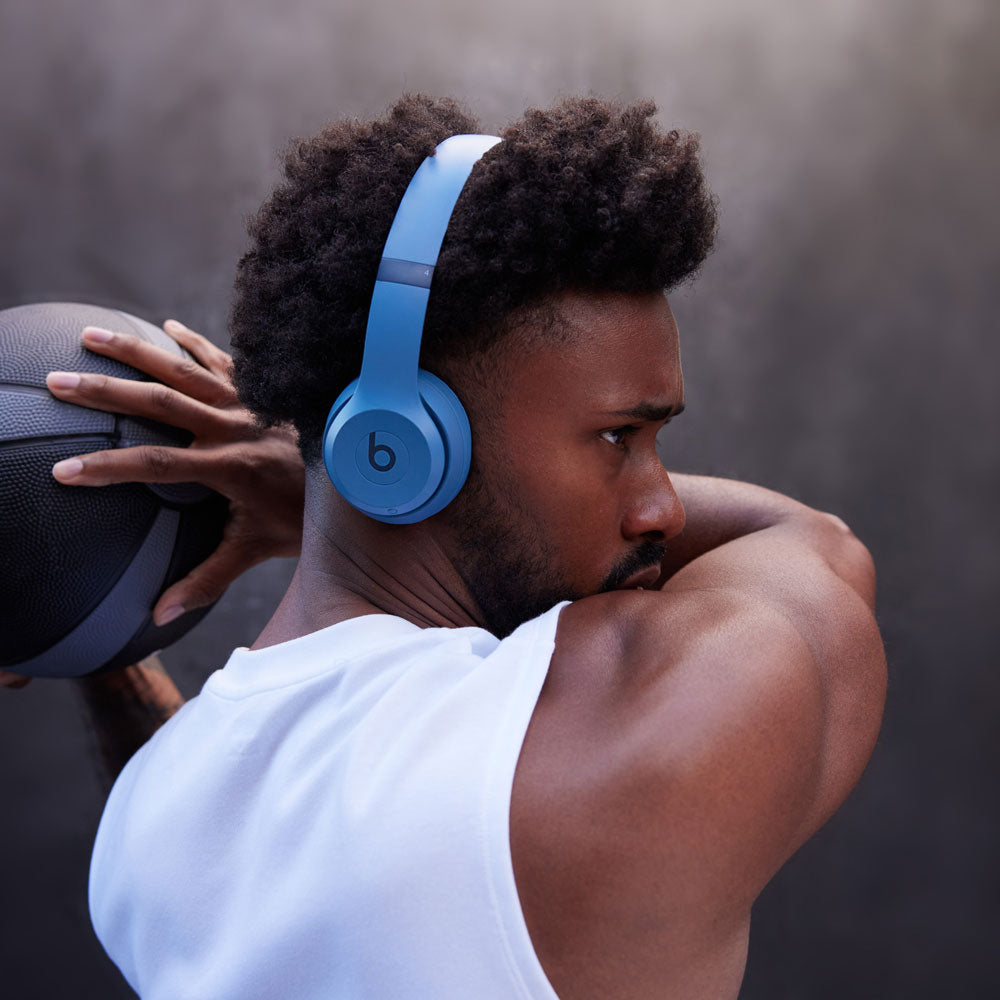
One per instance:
(397, 443)
(422, 217)
(402, 289)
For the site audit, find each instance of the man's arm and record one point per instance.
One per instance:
(124, 708)
(259, 470)
(689, 740)
(766, 620)
(722, 510)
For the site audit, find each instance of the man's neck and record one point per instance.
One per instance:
(352, 565)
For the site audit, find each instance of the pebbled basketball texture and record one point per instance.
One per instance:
(81, 567)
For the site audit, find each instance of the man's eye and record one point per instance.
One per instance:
(618, 435)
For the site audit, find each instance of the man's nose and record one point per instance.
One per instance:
(655, 512)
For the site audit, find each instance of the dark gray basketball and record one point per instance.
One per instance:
(81, 567)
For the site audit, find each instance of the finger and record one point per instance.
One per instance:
(152, 400)
(212, 357)
(182, 373)
(206, 583)
(9, 680)
(143, 464)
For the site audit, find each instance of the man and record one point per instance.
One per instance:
(431, 775)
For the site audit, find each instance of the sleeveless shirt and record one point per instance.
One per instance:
(329, 820)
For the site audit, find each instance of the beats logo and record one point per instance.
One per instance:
(373, 453)
(381, 457)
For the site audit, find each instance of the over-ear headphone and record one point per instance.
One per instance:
(397, 443)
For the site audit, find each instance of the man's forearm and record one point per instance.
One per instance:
(721, 510)
(125, 707)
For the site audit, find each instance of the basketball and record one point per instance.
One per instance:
(83, 566)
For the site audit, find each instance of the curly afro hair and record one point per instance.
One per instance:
(586, 196)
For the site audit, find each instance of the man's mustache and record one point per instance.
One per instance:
(646, 555)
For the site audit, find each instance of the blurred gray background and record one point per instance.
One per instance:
(841, 345)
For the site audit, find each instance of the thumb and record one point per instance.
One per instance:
(206, 583)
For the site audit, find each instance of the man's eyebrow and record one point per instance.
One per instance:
(648, 411)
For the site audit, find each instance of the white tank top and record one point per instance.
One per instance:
(329, 819)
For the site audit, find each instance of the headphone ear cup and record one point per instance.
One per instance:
(329, 432)
(449, 415)
(443, 407)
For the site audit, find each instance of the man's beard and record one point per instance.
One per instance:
(509, 565)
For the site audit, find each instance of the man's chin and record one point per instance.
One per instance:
(503, 613)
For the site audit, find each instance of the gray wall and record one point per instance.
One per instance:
(840, 345)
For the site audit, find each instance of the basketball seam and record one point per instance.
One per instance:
(108, 436)
(31, 390)
(89, 609)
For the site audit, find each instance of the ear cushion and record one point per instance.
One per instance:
(447, 435)
(448, 413)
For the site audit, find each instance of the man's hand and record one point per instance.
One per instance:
(260, 471)
(9, 680)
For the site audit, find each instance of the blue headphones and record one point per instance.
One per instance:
(397, 443)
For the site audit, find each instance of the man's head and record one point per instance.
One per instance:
(583, 206)
(568, 496)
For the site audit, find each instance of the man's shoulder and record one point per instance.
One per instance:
(695, 724)
(625, 785)
(634, 637)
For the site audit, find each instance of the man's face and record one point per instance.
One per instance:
(567, 496)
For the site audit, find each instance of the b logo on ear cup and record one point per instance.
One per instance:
(373, 455)
(382, 458)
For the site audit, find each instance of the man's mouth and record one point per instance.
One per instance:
(644, 578)
(640, 568)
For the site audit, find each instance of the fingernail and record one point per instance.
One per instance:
(67, 468)
(173, 324)
(62, 380)
(170, 614)
(97, 335)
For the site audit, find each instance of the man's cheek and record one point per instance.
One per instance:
(546, 470)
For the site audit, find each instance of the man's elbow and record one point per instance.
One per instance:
(847, 556)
